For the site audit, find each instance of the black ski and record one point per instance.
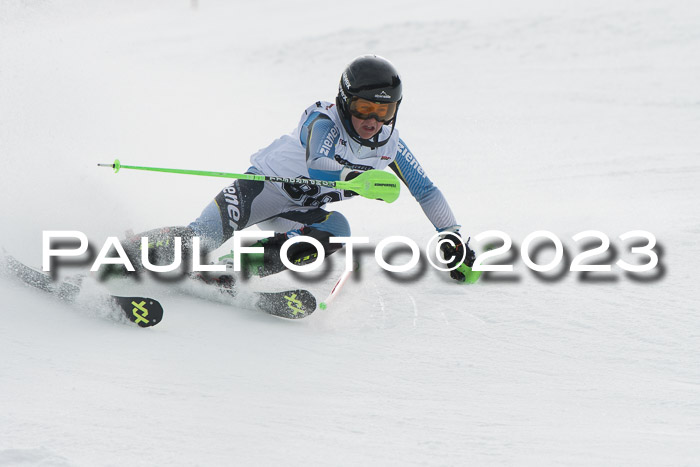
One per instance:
(142, 311)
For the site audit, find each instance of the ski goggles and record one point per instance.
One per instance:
(364, 109)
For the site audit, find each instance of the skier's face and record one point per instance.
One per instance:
(366, 128)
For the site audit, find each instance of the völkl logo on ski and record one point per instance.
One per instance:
(294, 304)
(140, 318)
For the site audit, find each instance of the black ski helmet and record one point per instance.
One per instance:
(373, 78)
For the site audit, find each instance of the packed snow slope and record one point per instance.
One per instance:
(543, 115)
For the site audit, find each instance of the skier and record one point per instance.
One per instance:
(333, 141)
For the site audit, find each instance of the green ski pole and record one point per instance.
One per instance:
(372, 184)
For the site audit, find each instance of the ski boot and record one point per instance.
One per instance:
(270, 262)
(225, 283)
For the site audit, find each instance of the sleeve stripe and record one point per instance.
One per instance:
(426, 193)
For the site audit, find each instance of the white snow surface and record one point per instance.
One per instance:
(541, 115)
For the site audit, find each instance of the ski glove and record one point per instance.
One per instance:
(459, 256)
(348, 174)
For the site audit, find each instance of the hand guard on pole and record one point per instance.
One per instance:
(458, 256)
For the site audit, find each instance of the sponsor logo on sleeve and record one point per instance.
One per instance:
(411, 160)
(232, 203)
(327, 145)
